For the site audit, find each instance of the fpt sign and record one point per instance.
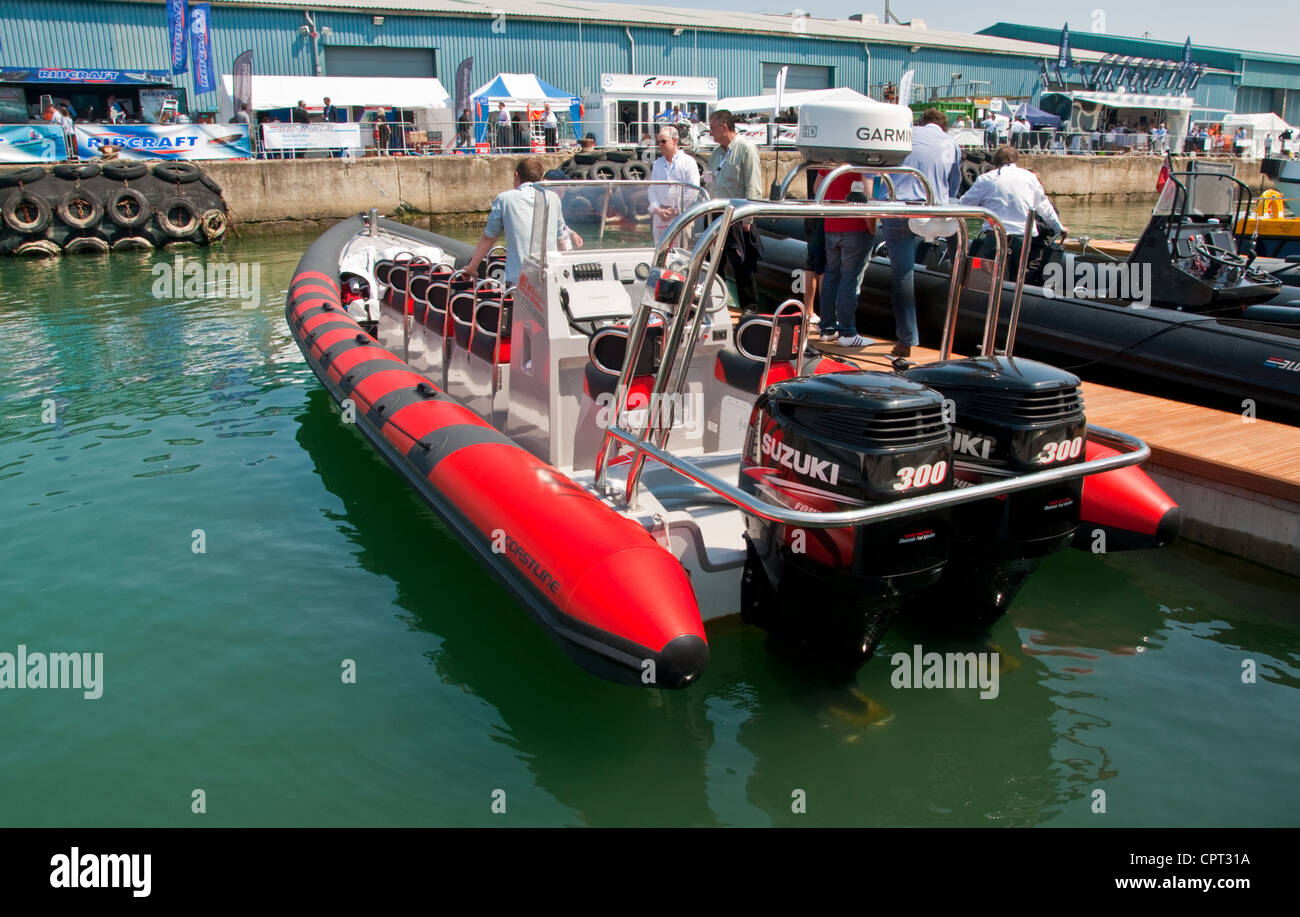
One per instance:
(659, 86)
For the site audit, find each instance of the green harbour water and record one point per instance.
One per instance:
(185, 420)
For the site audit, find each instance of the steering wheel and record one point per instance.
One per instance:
(1222, 256)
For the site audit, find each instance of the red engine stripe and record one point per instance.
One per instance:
(597, 566)
(827, 365)
(1125, 498)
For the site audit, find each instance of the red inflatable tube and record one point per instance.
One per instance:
(1129, 508)
(616, 600)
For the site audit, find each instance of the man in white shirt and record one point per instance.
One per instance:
(1010, 192)
(667, 201)
(551, 128)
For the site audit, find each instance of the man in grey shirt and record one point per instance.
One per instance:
(734, 171)
(512, 214)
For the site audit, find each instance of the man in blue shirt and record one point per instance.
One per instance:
(938, 157)
(512, 214)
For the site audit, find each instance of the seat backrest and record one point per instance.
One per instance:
(608, 350)
(754, 337)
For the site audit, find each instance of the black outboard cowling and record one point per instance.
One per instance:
(1008, 417)
(835, 442)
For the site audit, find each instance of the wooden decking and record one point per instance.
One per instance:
(1259, 456)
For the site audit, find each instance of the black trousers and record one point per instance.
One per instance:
(741, 258)
(552, 138)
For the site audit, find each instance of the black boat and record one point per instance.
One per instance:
(1188, 315)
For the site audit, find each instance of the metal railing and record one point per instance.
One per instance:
(706, 257)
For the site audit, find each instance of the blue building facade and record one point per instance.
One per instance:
(571, 44)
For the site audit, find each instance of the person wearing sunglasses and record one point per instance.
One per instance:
(667, 201)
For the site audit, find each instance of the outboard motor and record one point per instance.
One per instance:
(1008, 417)
(837, 442)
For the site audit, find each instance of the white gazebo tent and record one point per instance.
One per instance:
(425, 98)
(1258, 127)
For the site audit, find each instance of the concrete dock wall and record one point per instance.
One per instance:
(269, 191)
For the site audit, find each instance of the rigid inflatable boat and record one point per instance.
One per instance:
(1186, 315)
(631, 463)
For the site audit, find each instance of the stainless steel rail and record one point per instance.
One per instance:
(1133, 451)
(708, 249)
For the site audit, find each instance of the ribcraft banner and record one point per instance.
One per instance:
(176, 34)
(323, 136)
(32, 143)
(205, 76)
(166, 141)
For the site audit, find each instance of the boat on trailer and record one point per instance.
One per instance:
(631, 464)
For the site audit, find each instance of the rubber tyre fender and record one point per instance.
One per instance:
(636, 171)
(581, 173)
(87, 245)
(80, 208)
(26, 176)
(969, 173)
(618, 156)
(16, 222)
(606, 170)
(586, 159)
(987, 167)
(172, 229)
(143, 209)
(132, 244)
(176, 172)
(124, 169)
(76, 171)
(213, 223)
(37, 248)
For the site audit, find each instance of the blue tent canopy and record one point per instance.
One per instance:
(1036, 116)
(521, 91)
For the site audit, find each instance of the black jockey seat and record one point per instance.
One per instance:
(492, 319)
(465, 304)
(608, 350)
(747, 367)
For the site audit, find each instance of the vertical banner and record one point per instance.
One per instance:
(1063, 57)
(780, 91)
(176, 34)
(205, 78)
(464, 86)
(905, 88)
(241, 82)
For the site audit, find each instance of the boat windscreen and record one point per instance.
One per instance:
(621, 214)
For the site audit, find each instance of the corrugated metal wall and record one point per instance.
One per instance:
(132, 35)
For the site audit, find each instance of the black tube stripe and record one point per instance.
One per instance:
(442, 442)
(357, 374)
(334, 350)
(389, 404)
(324, 328)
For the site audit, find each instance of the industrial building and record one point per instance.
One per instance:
(575, 45)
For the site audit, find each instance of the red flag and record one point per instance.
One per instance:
(1164, 174)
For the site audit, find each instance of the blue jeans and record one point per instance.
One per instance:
(846, 258)
(902, 262)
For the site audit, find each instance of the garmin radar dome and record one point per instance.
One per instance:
(863, 132)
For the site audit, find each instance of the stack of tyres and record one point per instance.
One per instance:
(94, 207)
